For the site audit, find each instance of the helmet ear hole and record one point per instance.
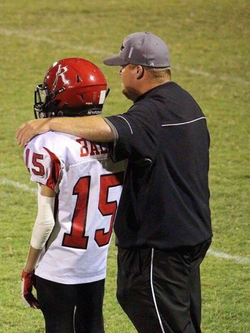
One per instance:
(78, 79)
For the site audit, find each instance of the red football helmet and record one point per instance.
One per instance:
(72, 87)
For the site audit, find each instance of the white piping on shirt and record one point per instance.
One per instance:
(185, 123)
(153, 293)
(127, 123)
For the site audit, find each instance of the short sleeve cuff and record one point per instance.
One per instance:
(113, 128)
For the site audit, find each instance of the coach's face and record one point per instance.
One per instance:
(129, 81)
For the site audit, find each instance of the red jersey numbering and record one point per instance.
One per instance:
(88, 185)
(77, 238)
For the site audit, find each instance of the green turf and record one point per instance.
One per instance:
(209, 45)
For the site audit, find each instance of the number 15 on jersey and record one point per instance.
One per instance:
(77, 237)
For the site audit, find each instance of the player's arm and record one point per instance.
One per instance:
(43, 226)
(42, 229)
(91, 128)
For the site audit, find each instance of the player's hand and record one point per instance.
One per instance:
(28, 130)
(27, 285)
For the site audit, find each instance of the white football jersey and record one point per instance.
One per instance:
(88, 186)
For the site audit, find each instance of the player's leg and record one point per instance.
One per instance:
(89, 308)
(57, 303)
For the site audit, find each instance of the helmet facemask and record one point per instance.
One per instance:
(43, 108)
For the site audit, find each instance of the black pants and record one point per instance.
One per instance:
(160, 290)
(71, 308)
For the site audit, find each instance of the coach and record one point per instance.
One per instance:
(163, 226)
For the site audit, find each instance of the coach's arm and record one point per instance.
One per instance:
(91, 128)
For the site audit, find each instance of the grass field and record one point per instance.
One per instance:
(209, 44)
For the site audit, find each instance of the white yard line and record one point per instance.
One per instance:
(222, 255)
(27, 35)
(5, 181)
(218, 254)
(39, 38)
(212, 76)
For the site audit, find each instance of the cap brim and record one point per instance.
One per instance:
(114, 61)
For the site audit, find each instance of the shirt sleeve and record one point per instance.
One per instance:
(43, 165)
(137, 135)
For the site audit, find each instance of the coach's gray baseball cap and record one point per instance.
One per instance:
(141, 48)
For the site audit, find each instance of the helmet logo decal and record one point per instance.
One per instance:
(102, 96)
(60, 72)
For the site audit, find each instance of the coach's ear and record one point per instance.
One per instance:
(140, 72)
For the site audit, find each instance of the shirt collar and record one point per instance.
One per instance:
(152, 90)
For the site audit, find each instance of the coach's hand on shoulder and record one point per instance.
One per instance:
(28, 130)
(27, 285)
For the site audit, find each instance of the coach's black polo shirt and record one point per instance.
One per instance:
(165, 200)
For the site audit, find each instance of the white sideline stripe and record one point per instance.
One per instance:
(214, 253)
(27, 35)
(226, 256)
(153, 292)
(185, 123)
(131, 130)
(23, 187)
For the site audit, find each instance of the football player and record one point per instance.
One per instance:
(78, 192)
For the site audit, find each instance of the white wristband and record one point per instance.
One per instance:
(45, 222)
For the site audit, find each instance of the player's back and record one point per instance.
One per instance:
(88, 187)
